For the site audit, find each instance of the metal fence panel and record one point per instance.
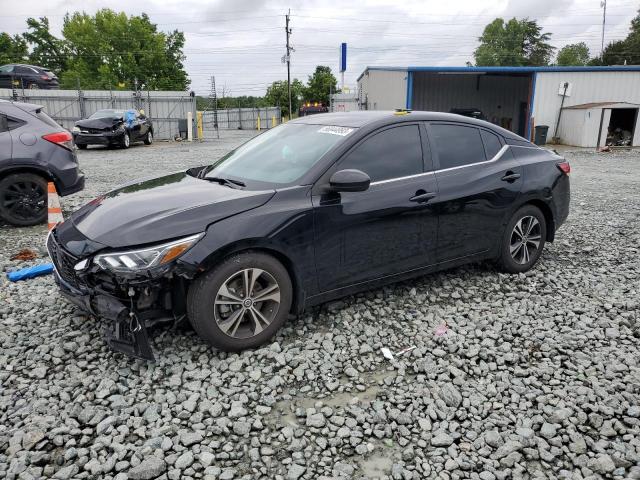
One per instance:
(240, 119)
(68, 106)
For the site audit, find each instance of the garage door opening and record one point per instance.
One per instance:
(622, 127)
(503, 98)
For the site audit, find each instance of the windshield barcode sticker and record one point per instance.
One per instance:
(342, 131)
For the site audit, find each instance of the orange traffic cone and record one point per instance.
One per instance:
(55, 212)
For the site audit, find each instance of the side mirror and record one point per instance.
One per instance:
(349, 181)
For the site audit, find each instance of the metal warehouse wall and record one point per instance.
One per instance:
(68, 106)
(383, 89)
(587, 87)
(442, 92)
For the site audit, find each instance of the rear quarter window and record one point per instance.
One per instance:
(492, 143)
(47, 119)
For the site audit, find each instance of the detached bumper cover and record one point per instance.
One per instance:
(125, 333)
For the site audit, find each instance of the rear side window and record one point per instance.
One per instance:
(6, 69)
(457, 145)
(392, 153)
(492, 144)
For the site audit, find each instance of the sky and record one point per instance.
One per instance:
(242, 42)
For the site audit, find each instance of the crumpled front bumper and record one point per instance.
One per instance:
(126, 332)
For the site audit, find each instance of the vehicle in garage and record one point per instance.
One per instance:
(34, 150)
(27, 76)
(315, 209)
(111, 127)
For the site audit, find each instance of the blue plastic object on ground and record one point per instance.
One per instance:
(30, 272)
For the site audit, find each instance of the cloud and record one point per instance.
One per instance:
(241, 42)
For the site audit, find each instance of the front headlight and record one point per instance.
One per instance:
(75, 129)
(132, 260)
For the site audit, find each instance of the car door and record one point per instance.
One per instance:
(6, 146)
(478, 181)
(387, 229)
(144, 125)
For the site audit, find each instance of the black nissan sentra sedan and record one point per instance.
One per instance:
(318, 208)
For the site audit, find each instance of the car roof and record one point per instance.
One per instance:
(361, 118)
(25, 65)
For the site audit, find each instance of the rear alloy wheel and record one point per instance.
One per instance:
(23, 199)
(126, 140)
(523, 240)
(34, 86)
(242, 302)
(148, 140)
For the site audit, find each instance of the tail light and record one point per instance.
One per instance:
(564, 167)
(63, 139)
(45, 77)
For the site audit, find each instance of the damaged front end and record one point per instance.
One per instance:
(130, 298)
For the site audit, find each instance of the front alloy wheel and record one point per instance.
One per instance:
(126, 140)
(246, 303)
(242, 302)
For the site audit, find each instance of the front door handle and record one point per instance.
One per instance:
(422, 197)
(510, 177)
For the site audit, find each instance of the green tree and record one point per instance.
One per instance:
(623, 51)
(12, 49)
(277, 94)
(319, 85)
(573, 54)
(513, 43)
(112, 50)
(46, 50)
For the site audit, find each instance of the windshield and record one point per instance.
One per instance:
(279, 156)
(107, 113)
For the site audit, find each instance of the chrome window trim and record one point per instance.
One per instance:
(397, 179)
(495, 158)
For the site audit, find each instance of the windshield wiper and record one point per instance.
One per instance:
(226, 181)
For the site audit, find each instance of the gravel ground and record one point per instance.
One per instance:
(534, 376)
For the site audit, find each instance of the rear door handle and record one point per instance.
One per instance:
(510, 177)
(422, 197)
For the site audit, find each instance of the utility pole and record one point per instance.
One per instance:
(603, 4)
(213, 103)
(288, 58)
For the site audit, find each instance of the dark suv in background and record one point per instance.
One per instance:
(34, 150)
(27, 76)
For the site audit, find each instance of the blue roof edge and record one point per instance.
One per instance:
(613, 68)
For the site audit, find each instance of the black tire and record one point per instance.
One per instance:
(23, 199)
(205, 291)
(513, 258)
(82, 147)
(148, 139)
(126, 140)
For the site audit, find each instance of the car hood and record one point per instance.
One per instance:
(105, 122)
(162, 208)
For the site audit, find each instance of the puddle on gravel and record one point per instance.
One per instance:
(283, 415)
(376, 466)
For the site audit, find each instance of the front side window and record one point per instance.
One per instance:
(281, 155)
(392, 153)
(456, 145)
